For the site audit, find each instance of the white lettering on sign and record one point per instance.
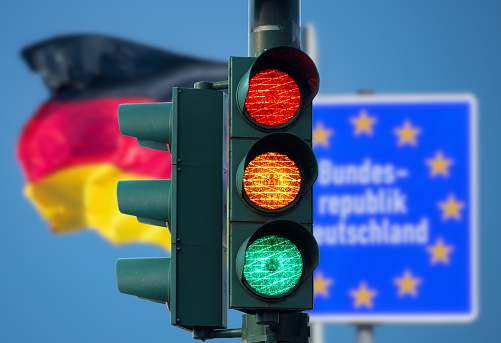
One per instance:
(382, 201)
(373, 232)
(366, 173)
(374, 198)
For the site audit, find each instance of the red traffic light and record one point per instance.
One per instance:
(273, 97)
(278, 87)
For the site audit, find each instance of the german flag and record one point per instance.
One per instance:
(71, 150)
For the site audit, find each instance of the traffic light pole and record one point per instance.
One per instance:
(273, 23)
(291, 327)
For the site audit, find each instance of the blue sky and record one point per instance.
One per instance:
(63, 288)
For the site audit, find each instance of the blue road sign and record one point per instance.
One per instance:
(395, 208)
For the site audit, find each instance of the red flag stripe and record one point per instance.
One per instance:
(62, 134)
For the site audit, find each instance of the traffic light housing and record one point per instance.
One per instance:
(192, 282)
(272, 168)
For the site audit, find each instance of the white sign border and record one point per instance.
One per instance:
(474, 220)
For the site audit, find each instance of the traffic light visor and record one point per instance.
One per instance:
(278, 87)
(276, 259)
(150, 123)
(147, 278)
(276, 172)
(148, 200)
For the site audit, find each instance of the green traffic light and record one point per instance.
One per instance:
(191, 203)
(273, 265)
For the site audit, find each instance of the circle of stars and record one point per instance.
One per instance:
(407, 284)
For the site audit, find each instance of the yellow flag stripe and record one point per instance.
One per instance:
(85, 197)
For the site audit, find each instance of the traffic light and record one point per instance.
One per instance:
(272, 167)
(192, 282)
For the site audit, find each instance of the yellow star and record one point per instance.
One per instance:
(439, 164)
(321, 284)
(407, 134)
(440, 252)
(407, 284)
(363, 123)
(321, 135)
(363, 296)
(451, 207)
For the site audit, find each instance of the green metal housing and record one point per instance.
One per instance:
(193, 203)
(300, 152)
(198, 227)
(299, 235)
(244, 299)
(246, 140)
(244, 134)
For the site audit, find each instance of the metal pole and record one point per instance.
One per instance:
(291, 327)
(273, 23)
(364, 333)
(310, 43)
(317, 332)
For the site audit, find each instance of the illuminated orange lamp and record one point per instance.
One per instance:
(272, 180)
(273, 97)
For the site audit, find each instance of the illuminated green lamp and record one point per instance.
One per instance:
(276, 259)
(273, 265)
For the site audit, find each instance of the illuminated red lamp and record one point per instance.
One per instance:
(273, 97)
(278, 87)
